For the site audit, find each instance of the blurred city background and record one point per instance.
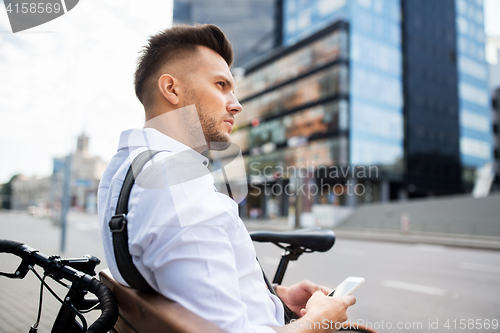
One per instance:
(389, 110)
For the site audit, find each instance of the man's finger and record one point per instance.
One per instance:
(326, 290)
(351, 300)
(309, 286)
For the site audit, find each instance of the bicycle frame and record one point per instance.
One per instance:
(291, 253)
(75, 298)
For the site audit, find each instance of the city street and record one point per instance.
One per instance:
(411, 284)
(408, 288)
(378, 120)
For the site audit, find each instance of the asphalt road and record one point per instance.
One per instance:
(425, 288)
(408, 288)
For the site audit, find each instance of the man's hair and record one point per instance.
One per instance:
(174, 43)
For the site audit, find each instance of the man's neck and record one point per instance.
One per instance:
(181, 124)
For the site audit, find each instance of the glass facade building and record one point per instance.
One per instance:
(495, 103)
(449, 128)
(397, 84)
(297, 93)
(431, 98)
(375, 110)
(296, 112)
(303, 18)
(473, 85)
(249, 24)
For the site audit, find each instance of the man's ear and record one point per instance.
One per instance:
(169, 88)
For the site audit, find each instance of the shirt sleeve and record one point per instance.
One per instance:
(194, 263)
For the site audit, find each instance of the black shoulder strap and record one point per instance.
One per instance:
(289, 314)
(118, 226)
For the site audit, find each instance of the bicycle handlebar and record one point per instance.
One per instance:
(109, 307)
(9, 246)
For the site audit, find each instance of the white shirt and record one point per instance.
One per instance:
(185, 238)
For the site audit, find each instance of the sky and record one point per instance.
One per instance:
(491, 17)
(74, 75)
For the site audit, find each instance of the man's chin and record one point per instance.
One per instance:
(219, 145)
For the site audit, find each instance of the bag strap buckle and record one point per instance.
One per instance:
(118, 223)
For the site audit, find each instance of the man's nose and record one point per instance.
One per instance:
(233, 106)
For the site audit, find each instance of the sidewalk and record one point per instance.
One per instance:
(19, 298)
(277, 224)
(456, 240)
(474, 242)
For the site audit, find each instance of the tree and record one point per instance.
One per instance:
(6, 193)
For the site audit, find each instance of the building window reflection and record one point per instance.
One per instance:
(329, 49)
(312, 89)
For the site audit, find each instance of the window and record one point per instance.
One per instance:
(475, 148)
(326, 7)
(462, 6)
(473, 94)
(472, 68)
(463, 25)
(365, 3)
(324, 84)
(474, 121)
(318, 53)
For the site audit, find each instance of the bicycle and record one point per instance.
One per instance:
(143, 311)
(80, 274)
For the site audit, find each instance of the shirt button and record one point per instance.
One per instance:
(204, 162)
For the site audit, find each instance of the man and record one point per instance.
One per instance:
(186, 239)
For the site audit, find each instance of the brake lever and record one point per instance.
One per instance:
(21, 271)
(24, 266)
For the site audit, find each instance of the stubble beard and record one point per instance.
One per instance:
(215, 138)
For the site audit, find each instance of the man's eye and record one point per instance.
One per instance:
(221, 83)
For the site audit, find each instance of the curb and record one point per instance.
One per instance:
(472, 242)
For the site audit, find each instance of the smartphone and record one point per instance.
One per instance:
(347, 286)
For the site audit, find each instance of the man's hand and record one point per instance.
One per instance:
(319, 308)
(297, 295)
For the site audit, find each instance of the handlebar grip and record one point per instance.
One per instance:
(109, 307)
(10, 246)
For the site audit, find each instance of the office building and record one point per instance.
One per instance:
(248, 24)
(493, 58)
(397, 85)
(84, 176)
(30, 191)
(476, 147)
(496, 137)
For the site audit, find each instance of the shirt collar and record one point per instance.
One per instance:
(155, 140)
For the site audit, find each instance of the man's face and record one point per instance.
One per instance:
(211, 88)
